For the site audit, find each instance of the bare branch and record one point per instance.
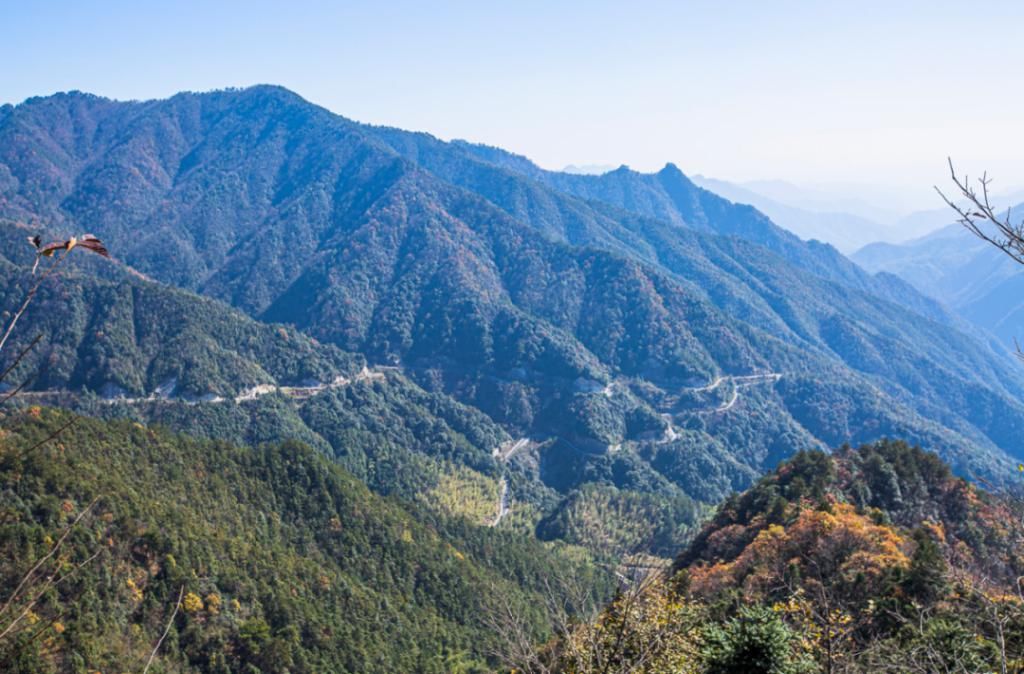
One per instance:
(29, 297)
(978, 215)
(52, 581)
(68, 424)
(21, 356)
(170, 621)
(42, 560)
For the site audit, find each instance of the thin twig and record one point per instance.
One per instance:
(52, 581)
(15, 391)
(28, 298)
(42, 560)
(170, 621)
(24, 352)
(979, 210)
(71, 422)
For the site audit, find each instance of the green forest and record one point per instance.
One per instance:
(349, 398)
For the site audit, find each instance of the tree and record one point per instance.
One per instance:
(979, 216)
(756, 641)
(926, 579)
(26, 613)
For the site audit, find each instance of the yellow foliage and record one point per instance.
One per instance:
(461, 491)
(192, 603)
(213, 603)
(654, 627)
(136, 593)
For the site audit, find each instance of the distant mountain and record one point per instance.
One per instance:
(588, 169)
(953, 266)
(875, 203)
(643, 335)
(845, 231)
(920, 224)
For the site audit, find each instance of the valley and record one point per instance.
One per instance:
(368, 348)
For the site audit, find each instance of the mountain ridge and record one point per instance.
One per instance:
(505, 290)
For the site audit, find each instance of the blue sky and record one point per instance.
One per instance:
(811, 92)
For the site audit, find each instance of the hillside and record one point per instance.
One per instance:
(126, 337)
(871, 559)
(137, 349)
(288, 562)
(895, 562)
(643, 333)
(954, 267)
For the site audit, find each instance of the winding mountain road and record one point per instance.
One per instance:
(505, 450)
(742, 381)
(737, 381)
(503, 504)
(366, 374)
(504, 453)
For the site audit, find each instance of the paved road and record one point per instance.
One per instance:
(503, 504)
(504, 453)
(743, 382)
(340, 381)
(737, 381)
(505, 450)
(299, 392)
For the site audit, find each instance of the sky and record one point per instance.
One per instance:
(866, 98)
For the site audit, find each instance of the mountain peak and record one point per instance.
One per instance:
(672, 171)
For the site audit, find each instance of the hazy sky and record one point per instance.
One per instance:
(811, 92)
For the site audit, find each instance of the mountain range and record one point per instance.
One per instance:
(952, 265)
(846, 231)
(633, 336)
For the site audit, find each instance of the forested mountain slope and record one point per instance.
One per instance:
(644, 332)
(870, 559)
(126, 346)
(606, 201)
(286, 561)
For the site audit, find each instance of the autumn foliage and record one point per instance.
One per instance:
(869, 560)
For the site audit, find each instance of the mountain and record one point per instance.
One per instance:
(130, 347)
(637, 332)
(871, 559)
(846, 231)
(588, 169)
(876, 203)
(629, 211)
(126, 336)
(878, 553)
(953, 266)
(285, 561)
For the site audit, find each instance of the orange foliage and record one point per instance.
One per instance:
(837, 546)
